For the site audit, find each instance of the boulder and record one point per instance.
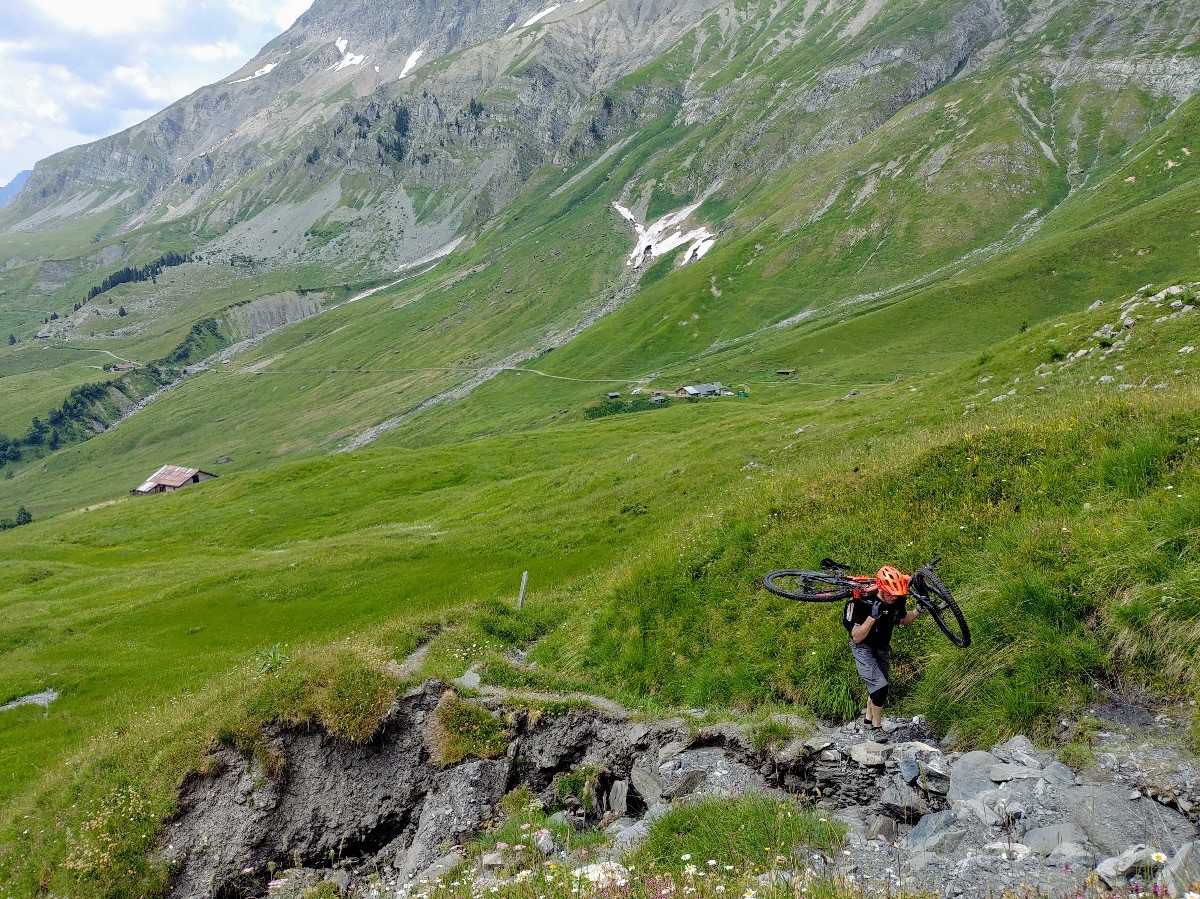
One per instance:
(1019, 743)
(708, 772)
(903, 801)
(937, 832)
(817, 743)
(462, 798)
(646, 784)
(969, 775)
(1182, 870)
(470, 680)
(1044, 840)
(442, 866)
(1071, 855)
(1113, 823)
(1014, 852)
(869, 754)
(634, 833)
(618, 797)
(1058, 775)
(882, 828)
(668, 752)
(1115, 871)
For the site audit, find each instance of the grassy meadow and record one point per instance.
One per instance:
(1066, 517)
(954, 396)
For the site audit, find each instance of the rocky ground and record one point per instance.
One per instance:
(387, 817)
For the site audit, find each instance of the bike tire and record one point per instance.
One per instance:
(934, 596)
(816, 586)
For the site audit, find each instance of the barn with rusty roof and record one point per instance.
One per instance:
(171, 477)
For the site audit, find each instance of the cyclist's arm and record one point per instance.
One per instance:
(911, 616)
(860, 631)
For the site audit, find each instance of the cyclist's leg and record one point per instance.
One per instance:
(879, 697)
(873, 675)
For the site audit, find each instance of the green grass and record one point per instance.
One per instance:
(464, 729)
(750, 832)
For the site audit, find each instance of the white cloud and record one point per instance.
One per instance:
(220, 50)
(73, 71)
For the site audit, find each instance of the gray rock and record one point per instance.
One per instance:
(882, 828)
(543, 842)
(1059, 775)
(470, 680)
(561, 818)
(633, 833)
(689, 783)
(646, 784)
(903, 801)
(461, 799)
(617, 826)
(1019, 743)
(669, 751)
(709, 772)
(1044, 840)
(1115, 871)
(446, 863)
(1074, 855)
(817, 744)
(491, 860)
(618, 797)
(656, 811)
(869, 754)
(1182, 870)
(1003, 773)
(1113, 823)
(969, 775)
(919, 861)
(936, 832)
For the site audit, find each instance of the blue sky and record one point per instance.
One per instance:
(72, 71)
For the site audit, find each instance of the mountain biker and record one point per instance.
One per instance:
(870, 621)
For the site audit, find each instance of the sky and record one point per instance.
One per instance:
(73, 71)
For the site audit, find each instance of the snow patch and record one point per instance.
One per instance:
(541, 15)
(348, 59)
(411, 62)
(665, 235)
(265, 70)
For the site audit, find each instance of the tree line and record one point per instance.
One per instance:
(22, 517)
(148, 272)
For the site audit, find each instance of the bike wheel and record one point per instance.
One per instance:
(809, 586)
(933, 595)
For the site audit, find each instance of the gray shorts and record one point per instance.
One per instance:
(873, 665)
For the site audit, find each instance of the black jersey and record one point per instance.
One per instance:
(880, 634)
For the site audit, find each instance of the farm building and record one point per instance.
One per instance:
(612, 396)
(171, 477)
(698, 390)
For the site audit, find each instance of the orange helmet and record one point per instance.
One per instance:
(892, 580)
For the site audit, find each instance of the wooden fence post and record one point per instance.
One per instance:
(521, 598)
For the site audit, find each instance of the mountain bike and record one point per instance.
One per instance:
(834, 581)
